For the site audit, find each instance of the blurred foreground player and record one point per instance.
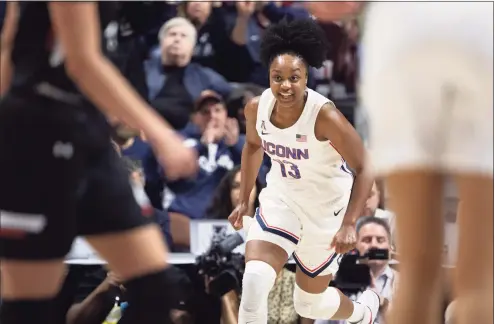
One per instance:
(60, 176)
(427, 82)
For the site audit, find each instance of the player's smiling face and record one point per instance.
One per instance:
(288, 77)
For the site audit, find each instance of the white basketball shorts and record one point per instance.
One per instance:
(427, 85)
(304, 229)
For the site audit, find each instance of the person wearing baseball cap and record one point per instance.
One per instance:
(219, 144)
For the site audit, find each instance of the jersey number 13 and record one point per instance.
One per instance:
(288, 168)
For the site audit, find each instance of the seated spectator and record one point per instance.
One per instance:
(137, 179)
(213, 45)
(99, 303)
(133, 146)
(219, 145)
(248, 24)
(226, 196)
(372, 208)
(374, 232)
(174, 83)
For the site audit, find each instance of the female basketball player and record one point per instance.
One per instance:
(60, 176)
(427, 82)
(312, 199)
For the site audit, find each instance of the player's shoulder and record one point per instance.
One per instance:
(320, 103)
(252, 105)
(251, 108)
(318, 99)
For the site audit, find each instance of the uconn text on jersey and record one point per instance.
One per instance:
(284, 151)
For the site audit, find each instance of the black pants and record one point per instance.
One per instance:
(59, 178)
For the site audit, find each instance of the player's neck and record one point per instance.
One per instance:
(289, 110)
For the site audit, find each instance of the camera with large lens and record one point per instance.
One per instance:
(219, 263)
(354, 274)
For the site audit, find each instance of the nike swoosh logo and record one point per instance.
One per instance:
(264, 133)
(338, 212)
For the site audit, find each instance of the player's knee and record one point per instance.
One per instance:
(316, 306)
(257, 282)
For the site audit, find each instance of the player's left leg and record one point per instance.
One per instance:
(313, 298)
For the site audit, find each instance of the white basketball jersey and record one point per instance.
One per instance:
(303, 168)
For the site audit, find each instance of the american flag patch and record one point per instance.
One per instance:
(301, 138)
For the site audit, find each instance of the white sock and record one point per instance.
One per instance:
(357, 313)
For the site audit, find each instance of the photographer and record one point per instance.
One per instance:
(374, 233)
(220, 270)
(96, 306)
(99, 303)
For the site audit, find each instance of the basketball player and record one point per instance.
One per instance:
(312, 199)
(60, 176)
(427, 82)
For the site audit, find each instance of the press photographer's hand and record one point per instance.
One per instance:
(344, 240)
(235, 217)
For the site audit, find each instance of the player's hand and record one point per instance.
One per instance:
(235, 217)
(231, 132)
(178, 160)
(344, 240)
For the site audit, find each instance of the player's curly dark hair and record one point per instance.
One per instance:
(301, 37)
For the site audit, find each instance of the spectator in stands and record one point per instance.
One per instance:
(132, 144)
(213, 45)
(98, 304)
(219, 145)
(251, 19)
(372, 208)
(226, 196)
(174, 83)
(346, 65)
(374, 232)
(137, 179)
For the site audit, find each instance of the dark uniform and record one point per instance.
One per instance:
(59, 174)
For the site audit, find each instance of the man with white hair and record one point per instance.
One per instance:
(174, 82)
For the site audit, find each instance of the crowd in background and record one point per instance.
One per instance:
(197, 64)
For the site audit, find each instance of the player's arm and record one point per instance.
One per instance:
(252, 152)
(6, 42)
(77, 27)
(333, 126)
